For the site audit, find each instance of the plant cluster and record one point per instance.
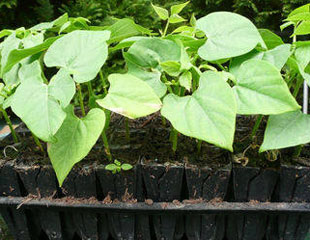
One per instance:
(199, 76)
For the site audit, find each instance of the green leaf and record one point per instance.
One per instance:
(171, 67)
(285, 25)
(304, 8)
(126, 166)
(161, 12)
(209, 114)
(75, 139)
(144, 57)
(190, 43)
(32, 40)
(303, 28)
(111, 167)
(260, 89)
(229, 35)
(30, 71)
(193, 20)
(62, 87)
(130, 97)
(304, 16)
(8, 45)
(125, 28)
(11, 78)
(175, 9)
(302, 55)
(33, 96)
(277, 56)
(5, 32)
(126, 43)
(271, 39)
(17, 55)
(49, 25)
(152, 77)
(175, 18)
(118, 163)
(186, 80)
(184, 29)
(81, 53)
(286, 130)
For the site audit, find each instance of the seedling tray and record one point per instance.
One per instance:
(155, 201)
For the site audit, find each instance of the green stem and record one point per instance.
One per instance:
(8, 121)
(106, 145)
(199, 146)
(104, 82)
(297, 150)
(127, 129)
(221, 66)
(195, 84)
(164, 121)
(90, 89)
(166, 29)
(81, 100)
(256, 126)
(174, 139)
(37, 141)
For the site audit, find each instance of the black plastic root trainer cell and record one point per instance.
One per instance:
(122, 208)
(72, 84)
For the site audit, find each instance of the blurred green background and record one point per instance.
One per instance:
(16, 13)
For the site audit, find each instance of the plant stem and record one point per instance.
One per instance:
(90, 89)
(256, 126)
(164, 121)
(104, 82)
(104, 136)
(199, 146)
(81, 100)
(221, 66)
(37, 141)
(8, 121)
(127, 130)
(174, 139)
(194, 84)
(297, 150)
(106, 145)
(166, 29)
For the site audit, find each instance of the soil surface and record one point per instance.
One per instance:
(149, 142)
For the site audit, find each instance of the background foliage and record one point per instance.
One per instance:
(16, 13)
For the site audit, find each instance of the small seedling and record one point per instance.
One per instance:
(117, 166)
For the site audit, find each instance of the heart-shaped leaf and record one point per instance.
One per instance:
(130, 97)
(286, 130)
(260, 89)
(42, 101)
(229, 35)
(209, 114)
(81, 53)
(75, 139)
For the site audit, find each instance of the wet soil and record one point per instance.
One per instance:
(149, 141)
